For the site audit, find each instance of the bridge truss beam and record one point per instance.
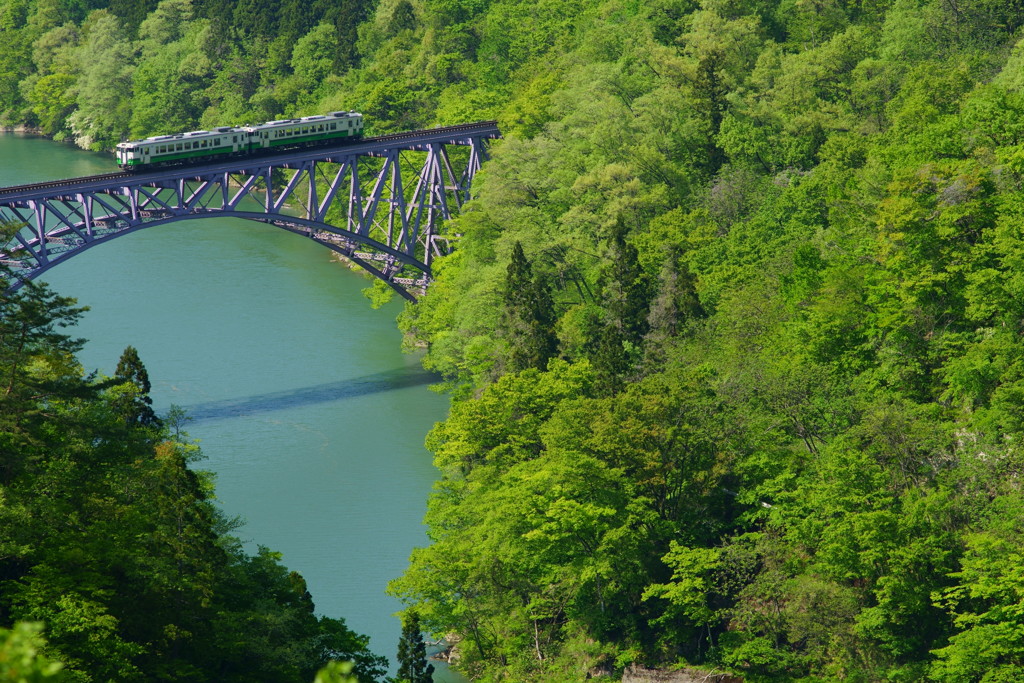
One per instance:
(379, 202)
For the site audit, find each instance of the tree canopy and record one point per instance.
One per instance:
(732, 324)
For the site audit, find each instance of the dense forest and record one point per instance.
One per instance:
(734, 330)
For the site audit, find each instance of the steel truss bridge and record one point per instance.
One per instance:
(378, 202)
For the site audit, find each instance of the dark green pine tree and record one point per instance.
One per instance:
(626, 291)
(625, 295)
(610, 360)
(256, 18)
(529, 316)
(675, 303)
(346, 15)
(413, 666)
(710, 94)
(132, 13)
(403, 17)
(138, 408)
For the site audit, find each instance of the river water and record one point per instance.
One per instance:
(305, 408)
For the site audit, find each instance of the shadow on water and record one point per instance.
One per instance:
(388, 380)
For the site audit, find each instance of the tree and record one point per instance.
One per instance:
(412, 652)
(610, 359)
(36, 365)
(675, 304)
(105, 59)
(132, 12)
(312, 59)
(135, 404)
(626, 288)
(529, 316)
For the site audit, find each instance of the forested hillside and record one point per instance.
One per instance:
(733, 326)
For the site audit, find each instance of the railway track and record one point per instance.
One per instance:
(106, 177)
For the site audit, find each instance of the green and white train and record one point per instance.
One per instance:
(225, 141)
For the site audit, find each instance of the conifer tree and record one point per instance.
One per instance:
(675, 303)
(413, 666)
(529, 316)
(610, 360)
(626, 292)
(137, 408)
(626, 297)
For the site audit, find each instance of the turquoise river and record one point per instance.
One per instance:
(305, 407)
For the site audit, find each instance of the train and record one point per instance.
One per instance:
(227, 141)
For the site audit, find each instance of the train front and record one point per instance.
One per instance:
(129, 156)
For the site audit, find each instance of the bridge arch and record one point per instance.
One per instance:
(343, 242)
(379, 202)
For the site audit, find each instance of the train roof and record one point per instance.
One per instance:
(220, 130)
(181, 136)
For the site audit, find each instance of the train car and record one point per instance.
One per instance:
(309, 130)
(182, 148)
(198, 146)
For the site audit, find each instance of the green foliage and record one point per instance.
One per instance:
(732, 324)
(21, 659)
(335, 672)
(110, 538)
(801, 341)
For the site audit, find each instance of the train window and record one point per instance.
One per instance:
(203, 143)
(177, 147)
